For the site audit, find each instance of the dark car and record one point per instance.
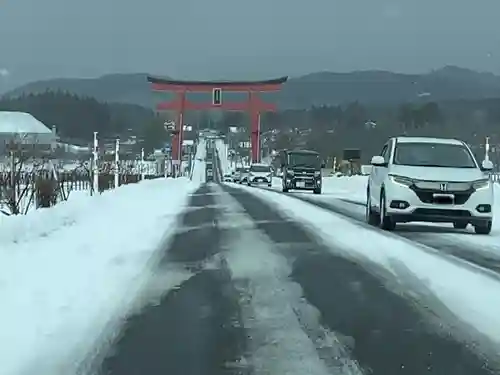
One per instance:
(301, 170)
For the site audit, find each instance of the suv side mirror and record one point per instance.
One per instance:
(486, 165)
(378, 161)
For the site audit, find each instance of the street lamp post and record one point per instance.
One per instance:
(487, 149)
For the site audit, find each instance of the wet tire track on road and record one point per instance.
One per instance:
(385, 333)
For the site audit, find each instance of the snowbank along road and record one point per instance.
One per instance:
(255, 282)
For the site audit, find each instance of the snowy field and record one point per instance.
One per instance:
(69, 274)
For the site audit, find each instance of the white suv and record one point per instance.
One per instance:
(431, 180)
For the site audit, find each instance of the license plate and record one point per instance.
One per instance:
(443, 198)
(301, 184)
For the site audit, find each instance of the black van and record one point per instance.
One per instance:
(301, 170)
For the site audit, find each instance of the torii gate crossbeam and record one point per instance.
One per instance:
(254, 106)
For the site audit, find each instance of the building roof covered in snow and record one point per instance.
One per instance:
(21, 123)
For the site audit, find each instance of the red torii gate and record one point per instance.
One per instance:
(253, 105)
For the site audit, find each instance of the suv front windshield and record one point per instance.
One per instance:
(260, 168)
(433, 155)
(304, 160)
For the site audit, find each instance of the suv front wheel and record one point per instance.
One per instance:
(483, 228)
(386, 222)
(372, 217)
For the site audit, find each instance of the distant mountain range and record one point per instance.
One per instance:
(369, 87)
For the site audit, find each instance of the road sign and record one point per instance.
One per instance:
(217, 97)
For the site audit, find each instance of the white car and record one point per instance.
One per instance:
(243, 175)
(260, 174)
(236, 174)
(430, 180)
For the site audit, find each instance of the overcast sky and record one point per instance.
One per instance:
(203, 39)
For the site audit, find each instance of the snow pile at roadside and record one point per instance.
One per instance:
(352, 188)
(42, 222)
(199, 165)
(347, 187)
(65, 272)
(222, 150)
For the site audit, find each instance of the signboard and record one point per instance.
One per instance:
(217, 97)
(169, 125)
(352, 154)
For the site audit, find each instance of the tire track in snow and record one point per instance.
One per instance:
(285, 336)
(385, 333)
(193, 329)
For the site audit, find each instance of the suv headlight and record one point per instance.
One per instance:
(481, 184)
(291, 173)
(405, 181)
(317, 173)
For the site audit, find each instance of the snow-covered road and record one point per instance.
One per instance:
(226, 279)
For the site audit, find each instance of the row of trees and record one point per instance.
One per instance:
(329, 129)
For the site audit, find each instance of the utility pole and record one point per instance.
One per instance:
(117, 163)
(95, 165)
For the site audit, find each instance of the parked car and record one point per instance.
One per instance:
(429, 180)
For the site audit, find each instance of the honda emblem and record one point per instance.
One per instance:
(443, 187)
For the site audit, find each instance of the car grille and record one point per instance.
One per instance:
(260, 179)
(441, 212)
(427, 196)
(450, 186)
(303, 175)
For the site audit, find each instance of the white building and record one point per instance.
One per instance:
(21, 127)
